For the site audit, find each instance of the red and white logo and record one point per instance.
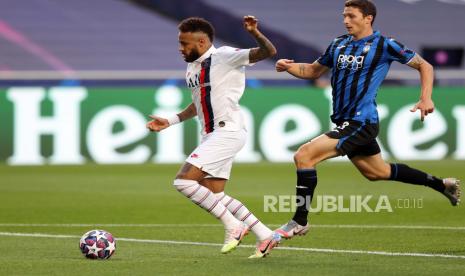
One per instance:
(194, 155)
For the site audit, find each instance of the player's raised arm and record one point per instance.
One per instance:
(301, 70)
(159, 123)
(425, 104)
(265, 48)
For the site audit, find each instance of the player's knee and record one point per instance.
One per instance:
(302, 159)
(181, 175)
(297, 157)
(182, 184)
(185, 173)
(177, 183)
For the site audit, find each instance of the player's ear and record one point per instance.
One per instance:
(200, 42)
(369, 19)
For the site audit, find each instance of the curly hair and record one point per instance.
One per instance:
(197, 24)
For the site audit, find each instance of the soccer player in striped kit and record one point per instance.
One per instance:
(216, 77)
(359, 62)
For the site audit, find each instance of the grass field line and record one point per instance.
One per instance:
(316, 250)
(161, 225)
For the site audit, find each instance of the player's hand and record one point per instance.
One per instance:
(283, 64)
(157, 124)
(425, 107)
(250, 23)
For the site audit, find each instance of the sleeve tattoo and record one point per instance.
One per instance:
(265, 49)
(416, 61)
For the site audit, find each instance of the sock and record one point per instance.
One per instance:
(403, 173)
(243, 214)
(207, 200)
(306, 183)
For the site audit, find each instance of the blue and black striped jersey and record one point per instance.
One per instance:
(358, 68)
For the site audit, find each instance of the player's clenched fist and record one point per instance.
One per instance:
(157, 124)
(250, 23)
(283, 64)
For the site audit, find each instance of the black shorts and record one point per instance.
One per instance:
(356, 138)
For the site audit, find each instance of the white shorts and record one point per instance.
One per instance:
(216, 152)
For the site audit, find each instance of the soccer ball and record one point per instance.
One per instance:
(97, 244)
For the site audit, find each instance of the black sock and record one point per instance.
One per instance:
(403, 173)
(306, 183)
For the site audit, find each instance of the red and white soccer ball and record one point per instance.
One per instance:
(97, 244)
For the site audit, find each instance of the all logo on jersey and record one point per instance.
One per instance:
(193, 81)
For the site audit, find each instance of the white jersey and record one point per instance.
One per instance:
(217, 82)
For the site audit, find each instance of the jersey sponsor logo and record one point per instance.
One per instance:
(350, 62)
(342, 126)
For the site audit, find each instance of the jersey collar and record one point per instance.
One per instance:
(365, 39)
(206, 54)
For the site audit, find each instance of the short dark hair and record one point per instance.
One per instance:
(365, 6)
(197, 24)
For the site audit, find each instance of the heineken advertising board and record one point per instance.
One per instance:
(76, 125)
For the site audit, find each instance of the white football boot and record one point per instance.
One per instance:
(291, 229)
(452, 191)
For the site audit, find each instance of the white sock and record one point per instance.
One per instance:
(207, 200)
(242, 213)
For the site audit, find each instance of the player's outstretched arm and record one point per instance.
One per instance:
(187, 113)
(158, 123)
(301, 70)
(425, 104)
(265, 48)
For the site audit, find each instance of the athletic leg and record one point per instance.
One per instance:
(187, 182)
(237, 208)
(306, 158)
(375, 168)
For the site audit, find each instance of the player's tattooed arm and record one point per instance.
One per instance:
(187, 113)
(301, 70)
(425, 105)
(265, 48)
(416, 62)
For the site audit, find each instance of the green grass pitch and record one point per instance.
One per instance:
(138, 202)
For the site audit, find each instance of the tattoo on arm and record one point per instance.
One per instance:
(265, 50)
(187, 113)
(302, 69)
(416, 61)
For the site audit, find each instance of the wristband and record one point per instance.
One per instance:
(173, 119)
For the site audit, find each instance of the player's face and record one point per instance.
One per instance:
(191, 45)
(355, 22)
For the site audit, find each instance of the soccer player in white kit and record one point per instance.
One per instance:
(216, 77)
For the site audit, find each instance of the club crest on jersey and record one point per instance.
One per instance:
(366, 48)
